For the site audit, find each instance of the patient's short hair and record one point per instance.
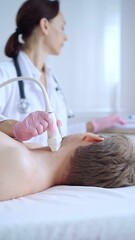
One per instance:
(108, 164)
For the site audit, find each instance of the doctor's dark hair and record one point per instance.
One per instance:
(27, 19)
(107, 164)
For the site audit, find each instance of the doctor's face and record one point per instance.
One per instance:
(56, 34)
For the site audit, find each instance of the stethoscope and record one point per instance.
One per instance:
(24, 105)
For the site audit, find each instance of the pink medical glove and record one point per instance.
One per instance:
(107, 122)
(34, 124)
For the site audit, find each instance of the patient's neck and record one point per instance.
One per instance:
(54, 163)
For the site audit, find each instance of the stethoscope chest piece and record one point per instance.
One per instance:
(24, 106)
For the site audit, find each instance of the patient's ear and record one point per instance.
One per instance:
(91, 137)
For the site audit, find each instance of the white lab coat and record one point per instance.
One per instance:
(10, 98)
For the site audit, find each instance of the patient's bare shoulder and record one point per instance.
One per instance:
(6, 141)
(15, 168)
(22, 170)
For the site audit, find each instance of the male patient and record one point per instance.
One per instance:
(83, 159)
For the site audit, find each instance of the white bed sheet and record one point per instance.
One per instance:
(70, 213)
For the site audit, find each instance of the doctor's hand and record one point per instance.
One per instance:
(33, 125)
(101, 124)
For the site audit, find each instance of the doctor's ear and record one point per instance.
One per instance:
(44, 25)
(91, 137)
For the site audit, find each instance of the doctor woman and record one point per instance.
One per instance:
(39, 32)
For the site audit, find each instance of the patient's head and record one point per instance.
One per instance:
(108, 163)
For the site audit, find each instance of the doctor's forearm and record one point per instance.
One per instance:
(89, 127)
(6, 127)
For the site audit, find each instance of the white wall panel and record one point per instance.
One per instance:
(128, 56)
